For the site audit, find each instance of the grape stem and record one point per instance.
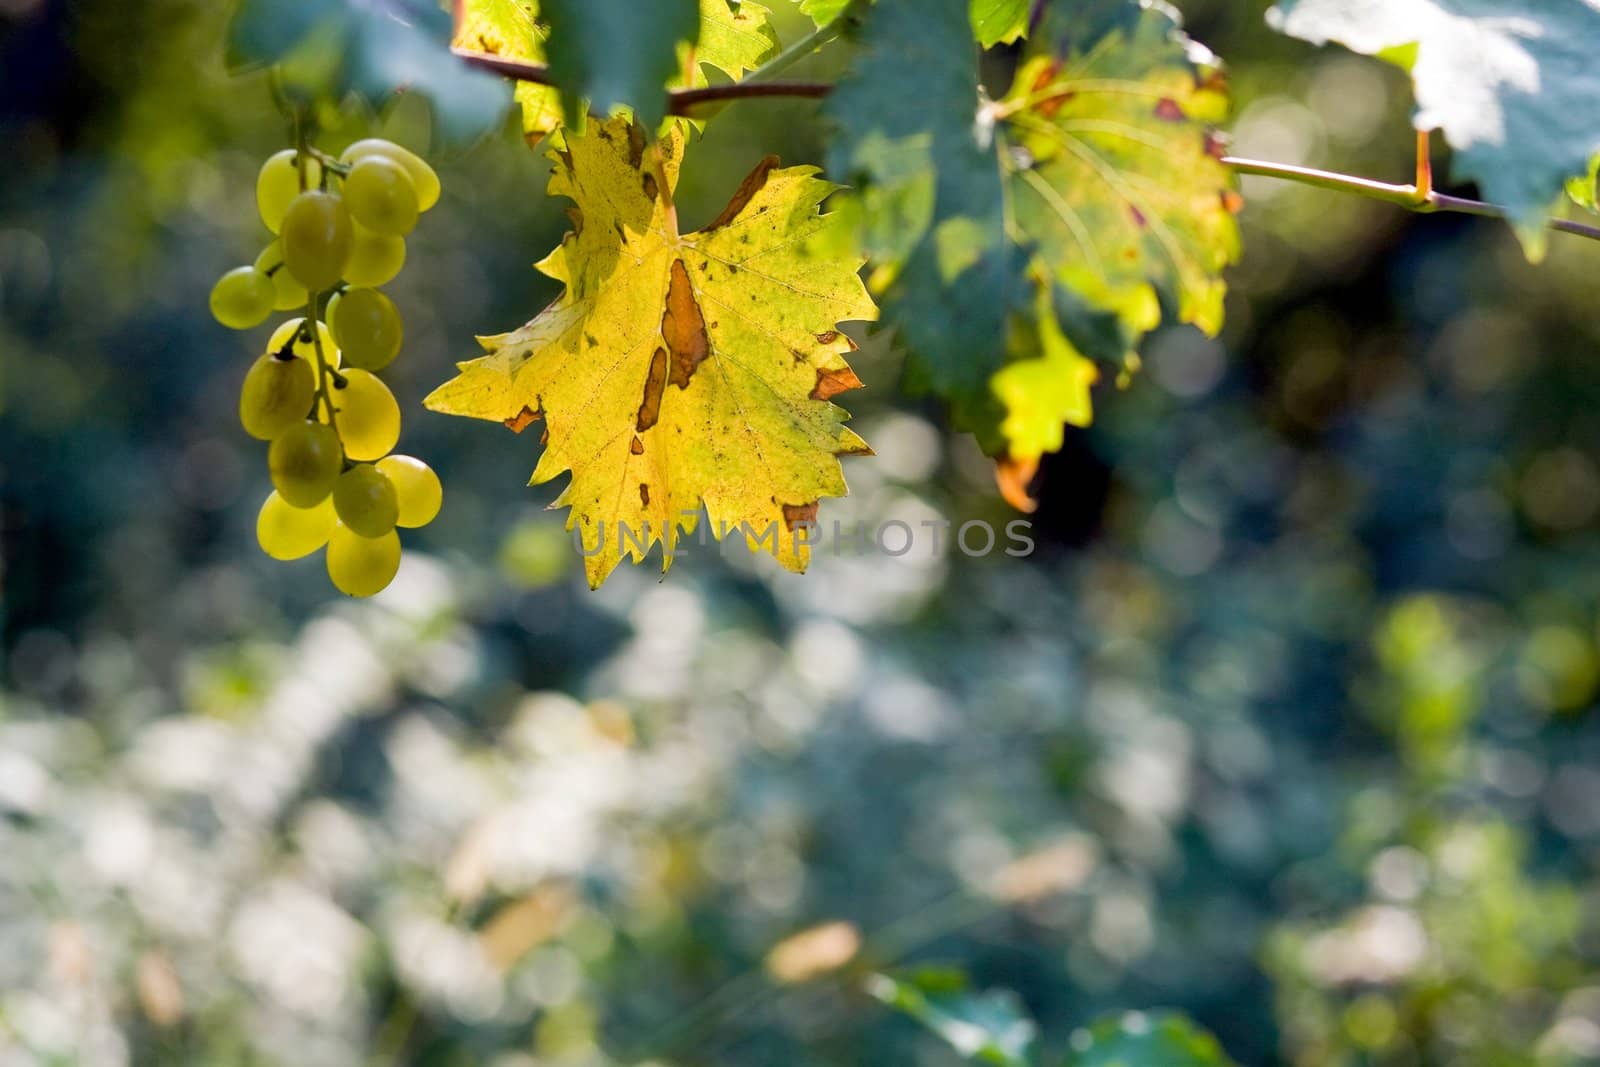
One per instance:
(329, 163)
(324, 372)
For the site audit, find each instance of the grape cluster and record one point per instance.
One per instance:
(332, 423)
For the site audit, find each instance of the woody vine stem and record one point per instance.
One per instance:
(1420, 196)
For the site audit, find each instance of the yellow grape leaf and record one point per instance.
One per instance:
(680, 370)
(1046, 391)
(733, 39)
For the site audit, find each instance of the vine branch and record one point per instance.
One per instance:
(1420, 196)
(1410, 197)
(679, 101)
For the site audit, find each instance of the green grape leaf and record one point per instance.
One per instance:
(990, 1027)
(993, 21)
(1095, 183)
(1142, 1039)
(617, 53)
(733, 38)
(371, 48)
(679, 370)
(824, 12)
(905, 129)
(999, 21)
(1045, 386)
(1512, 85)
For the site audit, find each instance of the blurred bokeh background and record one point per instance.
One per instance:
(1289, 723)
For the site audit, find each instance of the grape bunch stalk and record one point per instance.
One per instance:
(340, 225)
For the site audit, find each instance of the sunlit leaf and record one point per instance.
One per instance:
(1097, 174)
(680, 369)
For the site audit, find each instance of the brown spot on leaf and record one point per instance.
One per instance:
(1138, 217)
(748, 188)
(635, 145)
(1167, 109)
(796, 514)
(644, 494)
(637, 447)
(1013, 477)
(830, 383)
(1232, 201)
(1216, 145)
(523, 419)
(828, 337)
(654, 386)
(683, 328)
(650, 189)
(1052, 101)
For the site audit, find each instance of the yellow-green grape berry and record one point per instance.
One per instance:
(304, 462)
(422, 175)
(276, 395)
(381, 196)
(375, 258)
(365, 500)
(288, 294)
(317, 238)
(366, 326)
(362, 566)
(242, 298)
(304, 347)
(286, 532)
(417, 488)
(279, 183)
(369, 417)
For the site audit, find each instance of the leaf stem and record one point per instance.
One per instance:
(1424, 183)
(1410, 197)
(806, 45)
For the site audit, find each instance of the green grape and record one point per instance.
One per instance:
(288, 294)
(242, 298)
(366, 327)
(276, 394)
(369, 417)
(381, 196)
(422, 175)
(279, 183)
(287, 532)
(417, 488)
(362, 566)
(317, 239)
(303, 347)
(365, 500)
(375, 258)
(304, 462)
